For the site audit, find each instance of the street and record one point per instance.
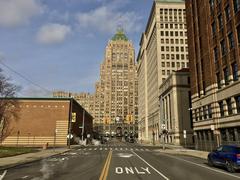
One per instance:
(116, 161)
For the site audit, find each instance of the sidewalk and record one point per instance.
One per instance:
(178, 150)
(8, 162)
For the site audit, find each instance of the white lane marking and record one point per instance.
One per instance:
(136, 149)
(100, 149)
(95, 149)
(151, 166)
(142, 150)
(203, 166)
(105, 148)
(131, 149)
(90, 149)
(24, 177)
(116, 148)
(110, 148)
(3, 175)
(84, 149)
(147, 149)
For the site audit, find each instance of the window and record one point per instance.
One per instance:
(211, 2)
(209, 111)
(236, 4)
(221, 108)
(204, 112)
(229, 106)
(223, 47)
(235, 71)
(213, 28)
(231, 40)
(220, 21)
(163, 72)
(226, 74)
(218, 80)
(227, 13)
(237, 99)
(215, 54)
(238, 34)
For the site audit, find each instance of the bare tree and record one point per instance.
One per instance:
(8, 105)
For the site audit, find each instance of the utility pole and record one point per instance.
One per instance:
(70, 124)
(83, 124)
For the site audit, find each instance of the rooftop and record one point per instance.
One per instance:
(120, 35)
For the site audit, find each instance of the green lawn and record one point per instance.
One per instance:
(13, 151)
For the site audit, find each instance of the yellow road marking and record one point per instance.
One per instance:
(106, 167)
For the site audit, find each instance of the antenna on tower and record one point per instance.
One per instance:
(120, 23)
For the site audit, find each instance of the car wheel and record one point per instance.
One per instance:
(210, 162)
(229, 166)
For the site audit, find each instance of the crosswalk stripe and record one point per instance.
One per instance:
(106, 148)
(95, 149)
(100, 149)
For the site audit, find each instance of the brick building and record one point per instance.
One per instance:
(213, 39)
(47, 120)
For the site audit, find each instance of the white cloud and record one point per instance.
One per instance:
(17, 12)
(107, 19)
(53, 33)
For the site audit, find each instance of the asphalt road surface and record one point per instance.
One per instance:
(118, 161)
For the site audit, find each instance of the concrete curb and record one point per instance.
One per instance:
(202, 155)
(30, 160)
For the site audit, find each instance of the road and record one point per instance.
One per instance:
(118, 161)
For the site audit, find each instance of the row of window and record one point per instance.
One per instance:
(236, 5)
(174, 41)
(226, 74)
(174, 56)
(223, 46)
(175, 49)
(173, 33)
(175, 64)
(227, 134)
(173, 25)
(165, 11)
(205, 112)
(229, 106)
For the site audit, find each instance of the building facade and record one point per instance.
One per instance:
(114, 103)
(46, 121)
(163, 49)
(117, 88)
(85, 99)
(213, 39)
(175, 104)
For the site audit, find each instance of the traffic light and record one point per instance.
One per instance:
(74, 117)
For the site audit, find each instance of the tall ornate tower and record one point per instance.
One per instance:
(118, 80)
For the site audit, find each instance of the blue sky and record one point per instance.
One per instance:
(59, 44)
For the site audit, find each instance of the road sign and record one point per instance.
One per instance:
(71, 136)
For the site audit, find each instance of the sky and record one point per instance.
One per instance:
(60, 44)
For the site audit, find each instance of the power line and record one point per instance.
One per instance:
(22, 76)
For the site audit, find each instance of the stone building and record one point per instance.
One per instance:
(175, 104)
(163, 49)
(213, 39)
(118, 86)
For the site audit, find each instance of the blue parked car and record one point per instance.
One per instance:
(227, 156)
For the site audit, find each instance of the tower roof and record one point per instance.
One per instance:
(120, 35)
